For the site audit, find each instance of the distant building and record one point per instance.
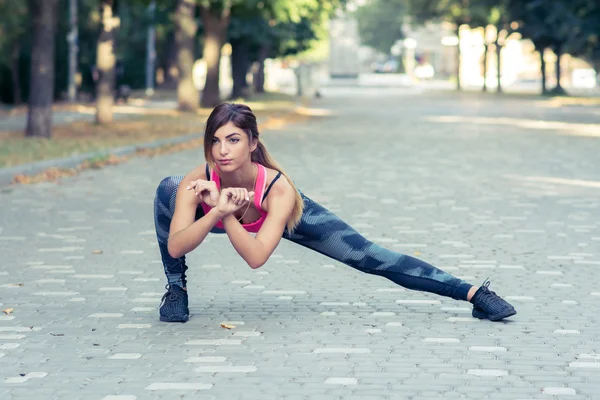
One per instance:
(434, 44)
(344, 44)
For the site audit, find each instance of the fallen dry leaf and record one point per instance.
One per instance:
(227, 326)
(8, 311)
(96, 251)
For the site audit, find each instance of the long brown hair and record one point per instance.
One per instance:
(242, 116)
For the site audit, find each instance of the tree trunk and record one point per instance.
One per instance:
(15, 73)
(240, 60)
(72, 39)
(41, 94)
(105, 62)
(558, 52)
(498, 67)
(169, 62)
(458, 86)
(215, 28)
(185, 32)
(259, 77)
(485, 59)
(543, 71)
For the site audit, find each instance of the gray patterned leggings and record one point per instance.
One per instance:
(322, 231)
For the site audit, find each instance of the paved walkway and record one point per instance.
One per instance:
(502, 188)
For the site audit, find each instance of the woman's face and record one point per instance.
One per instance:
(231, 147)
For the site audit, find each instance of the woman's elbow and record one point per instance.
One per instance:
(255, 264)
(173, 250)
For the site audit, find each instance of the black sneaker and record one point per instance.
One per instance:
(174, 305)
(479, 313)
(488, 305)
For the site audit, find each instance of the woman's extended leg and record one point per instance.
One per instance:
(322, 231)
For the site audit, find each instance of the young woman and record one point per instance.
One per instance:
(242, 190)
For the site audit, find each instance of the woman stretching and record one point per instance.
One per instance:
(242, 190)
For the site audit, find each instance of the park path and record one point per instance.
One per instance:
(481, 186)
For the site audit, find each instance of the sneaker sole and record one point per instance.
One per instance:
(175, 319)
(497, 317)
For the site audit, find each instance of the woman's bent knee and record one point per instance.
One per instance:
(167, 188)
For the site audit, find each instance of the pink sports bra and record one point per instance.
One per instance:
(259, 195)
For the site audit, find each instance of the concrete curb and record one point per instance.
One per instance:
(7, 174)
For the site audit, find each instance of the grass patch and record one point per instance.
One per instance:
(83, 137)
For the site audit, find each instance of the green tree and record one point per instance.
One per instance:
(380, 23)
(39, 117)
(586, 42)
(216, 16)
(499, 16)
(485, 13)
(269, 32)
(458, 12)
(292, 30)
(185, 33)
(106, 60)
(548, 24)
(13, 28)
(248, 27)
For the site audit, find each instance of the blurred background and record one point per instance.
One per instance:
(78, 58)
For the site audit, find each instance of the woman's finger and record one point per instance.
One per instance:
(199, 188)
(197, 182)
(230, 193)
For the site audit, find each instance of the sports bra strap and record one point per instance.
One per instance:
(271, 185)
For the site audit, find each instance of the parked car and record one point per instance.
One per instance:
(386, 67)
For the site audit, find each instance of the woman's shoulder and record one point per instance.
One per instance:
(275, 178)
(278, 186)
(197, 173)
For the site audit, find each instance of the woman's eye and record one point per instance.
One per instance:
(234, 140)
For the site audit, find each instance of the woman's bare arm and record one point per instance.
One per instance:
(186, 233)
(257, 250)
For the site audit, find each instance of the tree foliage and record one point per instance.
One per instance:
(15, 23)
(266, 18)
(380, 23)
(571, 26)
